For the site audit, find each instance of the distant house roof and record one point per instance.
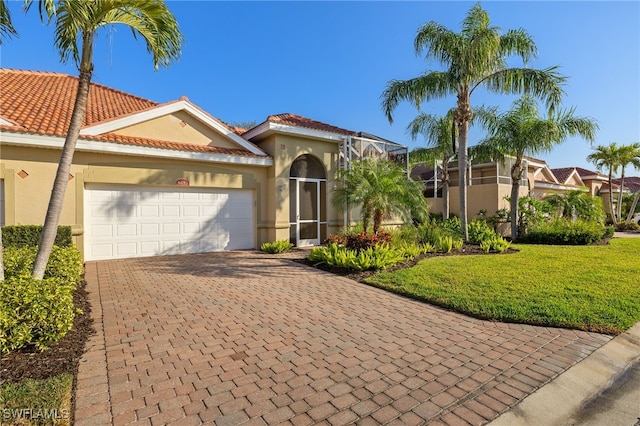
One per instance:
(41, 103)
(589, 173)
(632, 183)
(563, 173)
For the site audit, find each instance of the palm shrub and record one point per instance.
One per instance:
(278, 246)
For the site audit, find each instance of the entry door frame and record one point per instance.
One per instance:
(318, 214)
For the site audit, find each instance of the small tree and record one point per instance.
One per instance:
(608, 157)
(629, 155)
(380, 188)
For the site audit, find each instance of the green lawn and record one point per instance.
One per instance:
(595, 288)
(37, 402)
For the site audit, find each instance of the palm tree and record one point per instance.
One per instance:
(6, 27)
(521, 131)
(381, 188)
(440, 134)
(629, 155)
(475, 57)
(77, 24)
(607, 156)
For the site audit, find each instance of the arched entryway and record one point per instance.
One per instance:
(307, 201)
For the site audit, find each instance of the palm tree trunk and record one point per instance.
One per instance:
(611, 209)
(631, 210)
(463, 131)
(516, 175)
(54, 210)
(445, 199)
(619, 206)
(377, 220)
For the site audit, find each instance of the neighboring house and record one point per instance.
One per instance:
(152, 179)
(490, 184)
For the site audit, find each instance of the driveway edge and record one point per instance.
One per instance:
(558, 402)
(92, 405)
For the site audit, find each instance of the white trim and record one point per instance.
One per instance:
(166, 109)
(4, 122)
(268, 127)
(54, 142)
(538, 184)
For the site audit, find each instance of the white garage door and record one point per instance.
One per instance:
(126, 221)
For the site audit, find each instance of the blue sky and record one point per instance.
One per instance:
(330, 61)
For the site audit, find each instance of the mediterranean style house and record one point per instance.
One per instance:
(489, 184)
(152, 179)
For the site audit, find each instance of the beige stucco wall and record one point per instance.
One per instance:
(27, 198)
(285, 149)
(479, 197)
(177, 127)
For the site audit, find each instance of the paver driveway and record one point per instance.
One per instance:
(247, 337)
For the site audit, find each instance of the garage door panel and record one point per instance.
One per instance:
(124, 222)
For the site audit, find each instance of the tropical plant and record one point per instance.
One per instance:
(381, 188)
(475, 57)
(274, 247)
(6, 26)
(440, 134)
(76, 27)
(607, 157)
(577, 205)
(521, 131)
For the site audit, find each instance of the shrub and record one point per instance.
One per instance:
(479, 231)
(64, 263)
(407, 234)
(564, 232)
(29, 235)
(412, 250)
(458, 243)
(631, 226)
(363, 240)
(495, 243)
(34, 312)
(376, 257)
(445, 243)
(279, 246)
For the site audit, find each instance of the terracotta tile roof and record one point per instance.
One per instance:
(632, 183)
(563, 173)
(300, 121)
(584, 172)
(41, 103)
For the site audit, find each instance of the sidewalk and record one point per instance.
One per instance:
(602, 389)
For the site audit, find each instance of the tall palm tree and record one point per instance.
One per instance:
(440, 134)
(381, 188)
(607, 156)
(521, 131)
(475, 57)
(629, 155)
(76, 26)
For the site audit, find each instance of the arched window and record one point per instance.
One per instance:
(307, 166)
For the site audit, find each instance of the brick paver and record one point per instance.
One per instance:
(245, 337)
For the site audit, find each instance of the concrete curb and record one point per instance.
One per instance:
(563, 400)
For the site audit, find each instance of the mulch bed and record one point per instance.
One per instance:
(361, 275)
(61, 357)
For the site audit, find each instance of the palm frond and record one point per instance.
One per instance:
(6, 26)
(416, 90)
(518, 42)
(545, 84)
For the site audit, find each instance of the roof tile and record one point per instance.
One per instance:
(300, 121)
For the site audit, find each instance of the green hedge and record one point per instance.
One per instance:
(33, 312)
(565, 232)
(29, 235)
